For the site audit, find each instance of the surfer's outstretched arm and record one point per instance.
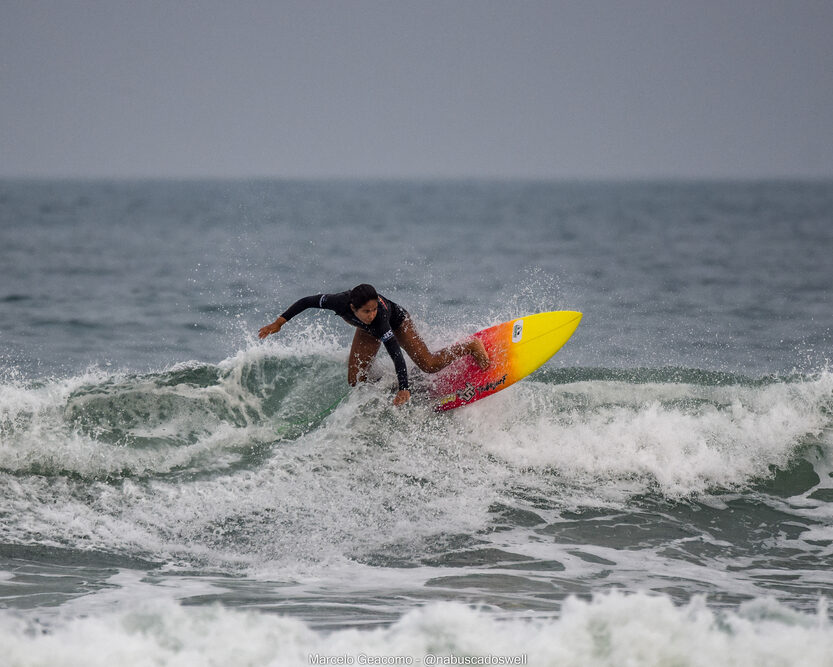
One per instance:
(272, 328)
(299, 306)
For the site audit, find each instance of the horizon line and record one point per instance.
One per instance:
(378, 178)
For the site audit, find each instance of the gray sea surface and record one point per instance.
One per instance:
(677, 451)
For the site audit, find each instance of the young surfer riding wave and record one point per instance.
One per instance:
(379, 320)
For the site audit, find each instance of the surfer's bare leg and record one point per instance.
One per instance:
(431, 362)
(362, 352)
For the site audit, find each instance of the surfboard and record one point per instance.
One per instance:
(515, 348)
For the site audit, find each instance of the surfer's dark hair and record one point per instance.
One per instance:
(361, 294)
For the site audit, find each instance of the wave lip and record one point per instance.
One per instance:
(193, 416)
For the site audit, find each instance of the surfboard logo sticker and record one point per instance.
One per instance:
(467, 393)
(518, 331)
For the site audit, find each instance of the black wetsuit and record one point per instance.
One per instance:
(389, 317)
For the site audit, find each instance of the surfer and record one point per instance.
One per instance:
(379, 320)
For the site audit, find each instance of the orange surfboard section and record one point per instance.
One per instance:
(515, 348)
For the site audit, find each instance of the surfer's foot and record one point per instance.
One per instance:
(478, 351)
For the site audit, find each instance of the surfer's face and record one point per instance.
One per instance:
(367, 313)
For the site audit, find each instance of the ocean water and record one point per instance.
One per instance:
(175, 492)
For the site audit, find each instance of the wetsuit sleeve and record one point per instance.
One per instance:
(301, 305)
(395, 352)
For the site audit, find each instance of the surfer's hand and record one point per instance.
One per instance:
(402, 397)
(271, 328)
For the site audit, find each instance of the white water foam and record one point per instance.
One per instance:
(612, 629)
(677, 439)
(372, 478)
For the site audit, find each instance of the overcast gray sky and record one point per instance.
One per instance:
(365, 88)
